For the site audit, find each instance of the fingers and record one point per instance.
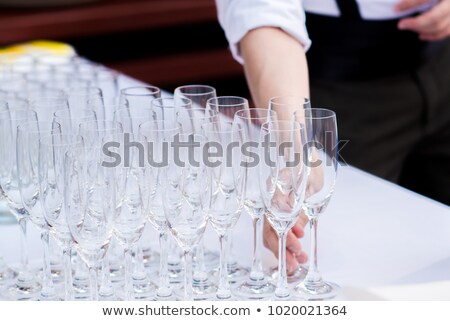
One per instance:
(434, 22)
(409, 4)
(294, 253)
(298, 228)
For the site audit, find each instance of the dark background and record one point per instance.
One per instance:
(166, 43)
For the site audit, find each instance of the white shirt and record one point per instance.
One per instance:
(237, 17)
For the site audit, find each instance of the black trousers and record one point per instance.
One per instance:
(398, 126)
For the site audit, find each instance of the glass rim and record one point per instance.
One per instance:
(152, 90)
(331, 113)
(15, 111)
(244, 101)
(237, 114)
(210, 88)
(300, 125)
(233, 128)
(22, 127)
(187, 102)
(204, 110)
(77, 139)
(141, 125)
(273, 99)
(70, 116)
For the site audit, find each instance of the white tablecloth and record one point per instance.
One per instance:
(373, 234)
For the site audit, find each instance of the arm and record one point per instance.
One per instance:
(275, 65)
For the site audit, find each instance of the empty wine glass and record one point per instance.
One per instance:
(227, 187)
(70, 119)
(25, 286)
(87, 98)
(52, 149)
(227, 106)
(153, 134)
(257, 285)
(46, 107)
(198, 94)
(185, 188)
(28, 135)
(138, 96)
(283, 178)
(94, 132)
(285, 106)
(90, 205)
(129, 219)
(193, 119)
(321, 126)
(166, 109)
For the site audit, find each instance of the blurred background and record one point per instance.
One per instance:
(166, 43)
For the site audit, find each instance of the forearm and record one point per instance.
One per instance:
(275, 65)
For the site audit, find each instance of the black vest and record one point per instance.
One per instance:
(350, 48)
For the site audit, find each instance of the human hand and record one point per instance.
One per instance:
(294, 252)
(432, 25)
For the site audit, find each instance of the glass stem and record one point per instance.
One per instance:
(188, 292)
(223, 291)
(313, 275)
(164, 284)
(282, 289)
(23, 244)
(139, 273)
(128, 274)
(200, 267)
(68, 284)
(105, 286)
(47, 288)
(93, 275)
(257, 273)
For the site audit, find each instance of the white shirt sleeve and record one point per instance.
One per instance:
(237, 17)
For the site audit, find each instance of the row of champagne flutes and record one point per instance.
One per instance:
(140, 192)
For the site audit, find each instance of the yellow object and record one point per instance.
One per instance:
(36, 47)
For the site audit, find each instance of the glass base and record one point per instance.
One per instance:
(202, 289)
(236, 272)
(150, 258)
(24, 288)
(254, 289)
(143, 288)
(298, 276)
(312, 291)
(164, 294)
(176, 274)
(211, 259)
(7, 275)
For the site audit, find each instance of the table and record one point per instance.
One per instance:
(374, 233)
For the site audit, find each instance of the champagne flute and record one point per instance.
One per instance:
(257, 285)
(129, 218)
(227, 188)
(70, 119)
(25, 286)
(285, 106)
(28, 135)
(322, 132)
(90, 205)
(52, 148)
(283, 178)
(153, 134)
(186, 185)
(198, 94)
